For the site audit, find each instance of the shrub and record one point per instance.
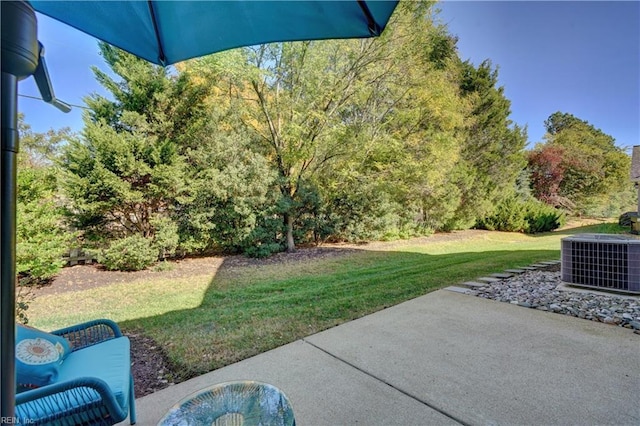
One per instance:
(132, 253)
(41, 237)
(363, 215)
(163, 266)
(265, 239)
(263, 250)
(541, 217)
(509, 216)
(528, 216)
(166, 236)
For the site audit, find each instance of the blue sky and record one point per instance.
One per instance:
(577, 57)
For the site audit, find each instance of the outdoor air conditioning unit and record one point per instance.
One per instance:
(602, 261)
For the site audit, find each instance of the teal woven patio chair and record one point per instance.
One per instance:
(94, 385)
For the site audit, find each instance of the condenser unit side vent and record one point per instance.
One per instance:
(602, 261)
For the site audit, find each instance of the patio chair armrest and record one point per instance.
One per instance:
(89, 333)
(71, 400)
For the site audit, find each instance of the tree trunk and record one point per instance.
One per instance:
(291, 244)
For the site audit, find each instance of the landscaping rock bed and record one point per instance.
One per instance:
(540, 290)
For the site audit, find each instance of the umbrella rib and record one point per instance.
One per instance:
(161, 58)
(374, 28)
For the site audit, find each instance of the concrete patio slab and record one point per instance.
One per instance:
(486, 362)
(322, 390)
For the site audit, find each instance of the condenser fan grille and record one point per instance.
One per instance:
(602, 261)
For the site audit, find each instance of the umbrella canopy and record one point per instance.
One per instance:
(162, 32)
(166, 32)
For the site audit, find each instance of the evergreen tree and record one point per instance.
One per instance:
(42, 237)
(125, 173)
(163, 161)
(493, 151)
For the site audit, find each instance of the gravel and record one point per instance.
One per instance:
(540, 290)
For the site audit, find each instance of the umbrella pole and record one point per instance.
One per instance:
(8, 243)
(20, 52)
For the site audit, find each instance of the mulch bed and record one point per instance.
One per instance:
(149, 366)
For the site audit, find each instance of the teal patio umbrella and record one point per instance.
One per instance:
(162, 32)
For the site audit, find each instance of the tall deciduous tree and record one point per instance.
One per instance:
(297, 102)
(588, 168)
(330, 114)
(425, 118)
(547, 166)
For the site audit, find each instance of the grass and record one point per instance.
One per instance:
(208, 321)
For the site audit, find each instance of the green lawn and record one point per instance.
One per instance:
(208, 321)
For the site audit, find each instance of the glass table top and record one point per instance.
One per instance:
(242, 403)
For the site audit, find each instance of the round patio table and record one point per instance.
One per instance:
(242, 403)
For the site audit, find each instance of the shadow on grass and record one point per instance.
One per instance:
(598, 228)
(246, 312)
